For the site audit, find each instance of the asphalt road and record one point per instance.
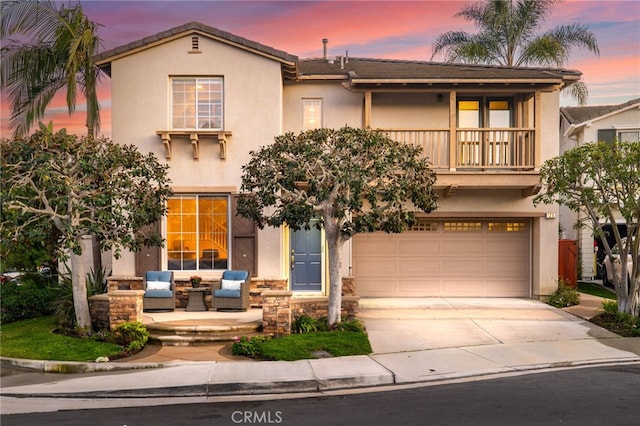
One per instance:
(579, 396)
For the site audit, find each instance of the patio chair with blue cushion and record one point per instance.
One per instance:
(232, 291)
(159, 291)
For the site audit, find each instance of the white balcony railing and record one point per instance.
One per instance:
(475, 149)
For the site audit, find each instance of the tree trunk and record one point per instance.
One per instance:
(80, 301)
(335, 277)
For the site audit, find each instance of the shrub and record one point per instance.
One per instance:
(351, 325)
(621, 323)
(249, 346)
(304, 324)
(63, 308)
(32, 298)
(610, 306)
(132, 336)
(564, 296)
(97, 282)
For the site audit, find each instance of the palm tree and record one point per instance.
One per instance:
(54, 51)
(508, 37)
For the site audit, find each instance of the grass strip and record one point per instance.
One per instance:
(303, 346)
(34, 339)
(596, 290)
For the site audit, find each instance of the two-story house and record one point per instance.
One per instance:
(580, 125)
(202, 99)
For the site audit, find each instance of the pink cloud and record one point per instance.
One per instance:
(389, 29)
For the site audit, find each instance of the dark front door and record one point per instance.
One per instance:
(306, 260)
(148, 258)
(244, 242)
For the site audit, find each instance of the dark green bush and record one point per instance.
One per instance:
(249, 346)
(353, 324)
(304, 324)
(610, 306)
(63, 308)
(565, 296)
(33, 298)
(132, 336)
(623, 324)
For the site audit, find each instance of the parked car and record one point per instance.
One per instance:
(608, 269)
(16, 276)
(11, 276)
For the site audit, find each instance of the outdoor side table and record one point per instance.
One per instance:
(196, 299)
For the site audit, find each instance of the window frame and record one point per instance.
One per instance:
(308, 102)
(198, 105)
(198, 250)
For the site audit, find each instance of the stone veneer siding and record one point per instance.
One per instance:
(111, 309)
(279, 309)
(315, 307)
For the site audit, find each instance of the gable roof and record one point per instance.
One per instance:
(358, 72)
(580, 117)
(288, 61)
(577, 115)
(366, 71)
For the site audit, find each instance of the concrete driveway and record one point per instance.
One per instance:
(415, 324)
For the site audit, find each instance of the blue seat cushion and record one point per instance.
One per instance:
(158, 276)
(158, 293)
(235, 275)
(226, 293)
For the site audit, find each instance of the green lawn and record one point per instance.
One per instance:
(34, 339)
(303, 346)
(596, 290)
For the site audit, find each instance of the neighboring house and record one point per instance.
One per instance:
(580, 125)
(202, 99)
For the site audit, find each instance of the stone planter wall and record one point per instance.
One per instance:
(276, 313)
(111, 309)
(99, 311)
(279, 310)
(318, 307)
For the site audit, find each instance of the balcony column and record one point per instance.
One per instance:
(537, 116)
(367, 110)
(453, 143)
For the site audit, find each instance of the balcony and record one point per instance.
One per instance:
(479, 158)
(480, 149)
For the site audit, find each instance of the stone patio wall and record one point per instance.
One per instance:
(280, 309)
(109, 310)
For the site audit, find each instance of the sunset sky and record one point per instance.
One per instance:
(374, 29)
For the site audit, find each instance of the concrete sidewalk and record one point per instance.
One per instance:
(414, 341)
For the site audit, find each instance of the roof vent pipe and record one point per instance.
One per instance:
(324, 47)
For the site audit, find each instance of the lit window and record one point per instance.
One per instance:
(506, 226)
(198, 232)
(424, 226)
(197, 103)
(463, 226)
(312, 114)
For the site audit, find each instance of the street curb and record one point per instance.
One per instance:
(210, 390)
(71, 367)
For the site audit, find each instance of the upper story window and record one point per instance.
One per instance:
(311, 114)
(492, 113)
(197, 103)
(626, 135)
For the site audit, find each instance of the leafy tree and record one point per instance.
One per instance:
(352, 180)
(81, 186)
(507, 36)
(602, 180)
(53, 50)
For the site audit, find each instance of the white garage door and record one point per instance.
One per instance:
(459, 258)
